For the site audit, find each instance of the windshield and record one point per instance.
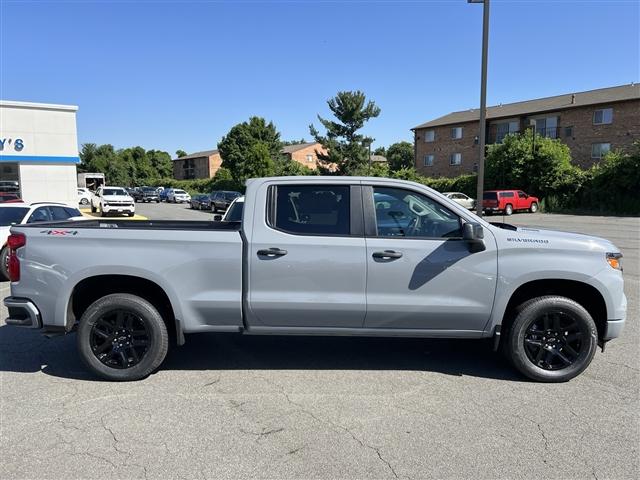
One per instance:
(179, 192)
(234, 214)
(148, 190)
(115, 191)
(11, 216)
(231, 195)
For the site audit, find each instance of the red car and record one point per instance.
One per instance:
(7, 197)
(508, 201)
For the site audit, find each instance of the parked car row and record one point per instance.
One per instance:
(215, 201)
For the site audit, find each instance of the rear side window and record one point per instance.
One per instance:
(312, 209)
(40, 214)
(489, 196)
(506, 195)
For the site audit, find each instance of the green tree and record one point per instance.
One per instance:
(539, 168)
(380, 151)
(251, 149)
(400, 155)
(161, 163)
(181, 153)
(346, 148)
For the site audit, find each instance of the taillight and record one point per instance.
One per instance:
(14, 242)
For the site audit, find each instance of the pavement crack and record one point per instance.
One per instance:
(217, 380)
(262, 434)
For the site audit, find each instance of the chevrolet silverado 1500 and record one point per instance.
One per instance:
(319, 256)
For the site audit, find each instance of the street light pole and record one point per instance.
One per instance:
(483, 100)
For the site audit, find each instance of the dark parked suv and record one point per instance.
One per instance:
(146, 194)
(222, 199)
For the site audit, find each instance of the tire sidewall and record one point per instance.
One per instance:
(4, 256)
(532, 310)
(534, 207)
(153, 322)
(508, 210)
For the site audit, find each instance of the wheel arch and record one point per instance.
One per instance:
(585, 294)
(91, 288)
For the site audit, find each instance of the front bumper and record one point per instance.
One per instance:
(118, 208)
(613, 329)
(22, 313)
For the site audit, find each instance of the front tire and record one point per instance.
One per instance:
(533, 208)
(84, 201)
(122, 337)
(552, 339)
(93, 209)
(508, 210)
(4, 267)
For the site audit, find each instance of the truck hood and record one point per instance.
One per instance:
(117, 198)
(553, 238)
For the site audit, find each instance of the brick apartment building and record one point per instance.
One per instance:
(206, 164)
(304, 153)
(590, 123)
(197, 165)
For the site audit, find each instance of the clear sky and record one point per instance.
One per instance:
(171, 75)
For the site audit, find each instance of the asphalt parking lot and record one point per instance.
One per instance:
(227, 406)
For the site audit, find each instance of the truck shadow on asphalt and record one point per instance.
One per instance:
(27, 351)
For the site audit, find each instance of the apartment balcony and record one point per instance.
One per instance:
(496, 134)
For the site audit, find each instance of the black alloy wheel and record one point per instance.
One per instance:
(554, 341)
(120, 339)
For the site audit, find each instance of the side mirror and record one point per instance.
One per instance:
(217, 217)
(473, 234)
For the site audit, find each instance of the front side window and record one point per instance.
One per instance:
(312, 209)
(604, 116)
(456, 132)
(599, 150)
(455, 159)
(234, 214)
(430, 136)
(428, 160)
(522, 194)
(404, 213)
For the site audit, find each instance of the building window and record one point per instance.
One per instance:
(456, 132)
(455, 159)
(428, 160)
(309, 158)
(568, 131)
(189, 169)
(430, 136)
(547, 127)
(505, 128)
(599, 150)
(604, 116)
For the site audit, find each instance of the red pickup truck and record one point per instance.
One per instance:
(508, 201)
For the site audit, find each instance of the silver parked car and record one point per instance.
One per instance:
(462, 199)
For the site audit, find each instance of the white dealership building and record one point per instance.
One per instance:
(39, 151)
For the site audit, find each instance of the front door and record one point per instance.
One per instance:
(307, 264)
(421, 274)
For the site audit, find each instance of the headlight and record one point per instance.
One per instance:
(615, 260)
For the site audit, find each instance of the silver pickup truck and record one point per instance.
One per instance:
(319, 256)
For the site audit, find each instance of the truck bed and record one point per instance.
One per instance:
(139, 224)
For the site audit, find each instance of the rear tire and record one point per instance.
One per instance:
(84, 201)
(93, 209)
(4, 258)
(533, 208)
(508, 210)
(108, 342)
(130, 214)
(552, 339)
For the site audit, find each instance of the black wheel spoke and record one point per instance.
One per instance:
(570, 351)
(120, 339)
(558, 344)
(573, 336)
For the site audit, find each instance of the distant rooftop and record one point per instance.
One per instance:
(206, 153)
(297, 146)
(547, 104)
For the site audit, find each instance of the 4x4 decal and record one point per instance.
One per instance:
(60, 233)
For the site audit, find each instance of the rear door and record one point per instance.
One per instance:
(420, 273)
(307, 264)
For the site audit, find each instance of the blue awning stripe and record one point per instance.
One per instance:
(37, 159)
